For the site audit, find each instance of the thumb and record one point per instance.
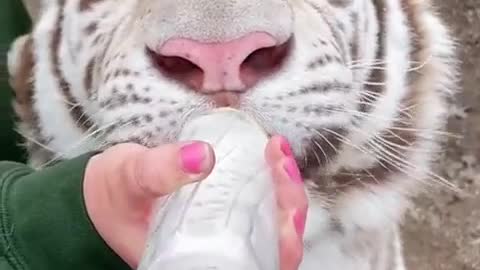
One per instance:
(137, 175)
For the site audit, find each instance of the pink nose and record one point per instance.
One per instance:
(232, 66)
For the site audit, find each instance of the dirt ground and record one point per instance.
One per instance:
(443, 230)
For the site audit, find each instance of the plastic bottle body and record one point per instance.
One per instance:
(228, 220)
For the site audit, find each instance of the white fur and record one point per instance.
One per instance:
(50, 104)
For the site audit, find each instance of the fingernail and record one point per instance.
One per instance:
(285, 147)
(292, 170)
(193, 156)
(299, 220)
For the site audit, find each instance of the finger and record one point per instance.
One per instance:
(163, 170)
(292, 208)
(290, 190)
(287, 177)
(144, 174)
(277, 148)
(290, 193)
(292, 201)
(291, 247)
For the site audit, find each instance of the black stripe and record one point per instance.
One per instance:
(89, 76)
(416, 37)
(87, 4)
(340, 3)
(377, 74)
(354, 46)
(335, 32)
(323, 61)
(321, 87)
(76, 110)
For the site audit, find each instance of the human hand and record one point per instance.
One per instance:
(122, 185)
(291, 199)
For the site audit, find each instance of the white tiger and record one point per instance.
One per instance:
(359, 88)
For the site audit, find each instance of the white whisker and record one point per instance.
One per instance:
(62, 154)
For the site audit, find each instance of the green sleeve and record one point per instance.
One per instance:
(43, 221)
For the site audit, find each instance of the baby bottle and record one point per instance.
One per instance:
(228, 220)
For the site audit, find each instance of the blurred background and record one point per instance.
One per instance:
(443, 231)
(13, 22)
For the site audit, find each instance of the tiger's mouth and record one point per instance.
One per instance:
(225, 99)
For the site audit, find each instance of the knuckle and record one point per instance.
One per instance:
(125, 148)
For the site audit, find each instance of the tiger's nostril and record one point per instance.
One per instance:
(263, 62)
(266, 58)
(178, 68)
(208, 68)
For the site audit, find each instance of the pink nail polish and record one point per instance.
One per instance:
(193, 156)
(285, 147)
(299, 220)
(292, 170)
